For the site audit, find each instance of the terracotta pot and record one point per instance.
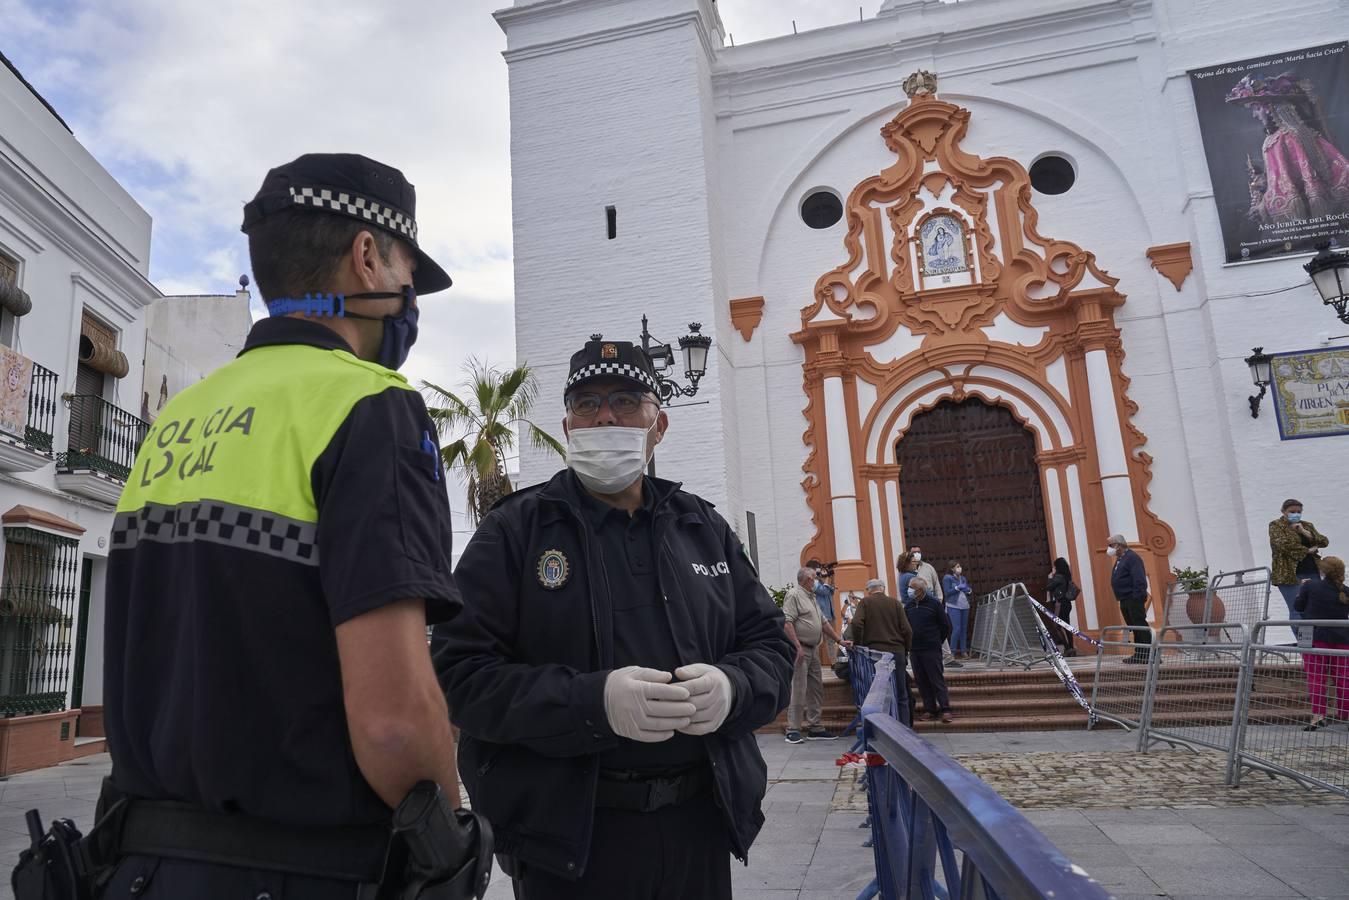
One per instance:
(1194, 606)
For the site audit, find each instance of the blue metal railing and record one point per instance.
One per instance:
(861, 671)
(925, 806)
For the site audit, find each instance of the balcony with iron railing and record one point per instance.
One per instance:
(103, 443)
(26, 444)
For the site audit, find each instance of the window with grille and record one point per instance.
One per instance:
(37, 606)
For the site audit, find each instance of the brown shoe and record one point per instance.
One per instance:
(946, 717)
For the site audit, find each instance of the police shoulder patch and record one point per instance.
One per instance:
(554, 570)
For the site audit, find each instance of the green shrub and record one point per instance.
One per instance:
(1191, 579)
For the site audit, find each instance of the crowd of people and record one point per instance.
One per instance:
(927, 630)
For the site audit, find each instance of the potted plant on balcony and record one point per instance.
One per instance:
(1195, 583)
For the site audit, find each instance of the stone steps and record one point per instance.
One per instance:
(1017, 700)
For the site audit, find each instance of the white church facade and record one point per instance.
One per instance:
(963, 268)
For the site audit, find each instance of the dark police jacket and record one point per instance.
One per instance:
(523, 667)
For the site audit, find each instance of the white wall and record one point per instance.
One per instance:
(611, 106)
(1103, 83)
(188, 338)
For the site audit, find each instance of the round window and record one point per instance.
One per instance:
(821, 209)
(1052, 175)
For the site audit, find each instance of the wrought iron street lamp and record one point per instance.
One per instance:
(1330, 274)
(693, 346)
(1261, 374)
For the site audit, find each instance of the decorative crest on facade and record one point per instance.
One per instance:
(921, 84)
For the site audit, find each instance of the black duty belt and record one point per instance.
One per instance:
(644, 792)
(181, 831)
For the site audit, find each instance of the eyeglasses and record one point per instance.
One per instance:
(621, 403)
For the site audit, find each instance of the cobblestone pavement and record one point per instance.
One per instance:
(1162, 779)
(1144, 825)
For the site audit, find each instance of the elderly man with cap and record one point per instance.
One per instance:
(1129, 581)
(615, 654)
(282, 544)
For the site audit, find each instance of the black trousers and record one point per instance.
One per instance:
(1134, 614)
(680, 852)
(153, 878)
(927, 671)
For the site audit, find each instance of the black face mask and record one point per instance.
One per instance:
(400, 331)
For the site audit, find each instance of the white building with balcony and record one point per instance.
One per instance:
(79, 318)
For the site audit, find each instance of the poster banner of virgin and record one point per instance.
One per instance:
(1311, 392)
(1276, 135)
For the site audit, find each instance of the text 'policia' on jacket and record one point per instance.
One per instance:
(523, 666)
(223, 685)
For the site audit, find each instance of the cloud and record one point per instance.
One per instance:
(189, 103)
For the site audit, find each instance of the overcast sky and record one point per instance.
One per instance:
(188, 103)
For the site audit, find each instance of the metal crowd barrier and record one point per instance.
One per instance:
(1237, 597)
(981, 640)
(1010, 627)
(861, 672)
(1192, 693)
(1283, 689)
(925, 807)
(1241, 597)
(1176, 610)
(1119, 689)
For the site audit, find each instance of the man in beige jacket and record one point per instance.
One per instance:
(805, 627)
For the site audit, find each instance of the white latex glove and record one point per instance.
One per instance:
(711, 692)
(642, 704)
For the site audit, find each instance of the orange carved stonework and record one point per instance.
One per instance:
(1029, 326)
(1174, 261)
(746, 314)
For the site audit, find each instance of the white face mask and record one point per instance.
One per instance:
(1110, 551)
(608, 458)
(913, 595)
(918, 557)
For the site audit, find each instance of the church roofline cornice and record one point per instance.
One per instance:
(860, 57)
(509, 17)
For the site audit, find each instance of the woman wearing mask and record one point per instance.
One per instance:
(1326, 598)
(1062, 592)
(956, 591)
(908, 568)
(1293, 544)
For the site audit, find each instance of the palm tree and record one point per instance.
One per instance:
(495, 406)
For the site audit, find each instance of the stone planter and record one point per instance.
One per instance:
(35, 742)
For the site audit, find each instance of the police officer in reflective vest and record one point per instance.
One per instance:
(615, 654)
(282, 543)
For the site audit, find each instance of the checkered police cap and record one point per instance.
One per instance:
(611, 359)
(347, 184)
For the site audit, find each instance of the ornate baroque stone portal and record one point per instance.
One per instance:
(949, 291)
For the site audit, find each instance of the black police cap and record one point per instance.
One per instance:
(611, 359)
(349, 184)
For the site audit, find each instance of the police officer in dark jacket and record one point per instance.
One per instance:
(1129, 581)
(615, 654)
